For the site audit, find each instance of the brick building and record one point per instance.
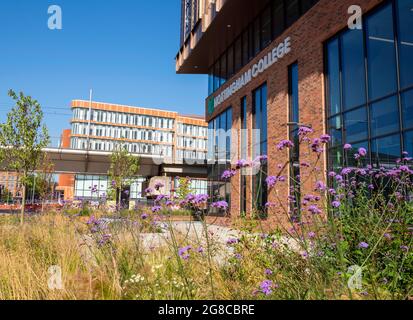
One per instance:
(276, 65)
(103, 126)
(9, 181)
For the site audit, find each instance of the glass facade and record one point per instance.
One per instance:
(267, 26)
(244, 152)
(141, 134)
(260, 144)
(219, 156)
(294, 119)
(369, 87)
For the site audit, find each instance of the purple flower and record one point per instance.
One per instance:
(336, 204)
(404, 248)
(228, 174)
(223, 205)
(184, 252)
(267, 287)
(232, 241)
(271, 181)
(314, 209)
(238, 256)
(242, 164)
(346, 171)
(303, 131)
(200, 250)
(311, 235)
(325, 138)
(148, 190)
(268, 272)
(156, 209)
(285, 144)
(362, 152)
(320, 186)
(348, 146)
(363, 245)
(144, 216)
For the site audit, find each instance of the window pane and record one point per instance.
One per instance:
(238, 55)
(356, 125)
(385, 117)
(405, 14)
(334, 77)
(293, 11)
(336, 131)
(407, 102)
(230, 59)
(354, 87)
(266, 27)
(386, 151)
(223, 73)
(264, 120)
(408, 142)
(245, 50)
(217, 81)
(294, 111)
(336, 158)
(381, 54)
(257, 37)
(277, 18)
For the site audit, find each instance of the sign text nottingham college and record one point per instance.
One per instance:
(272, 57)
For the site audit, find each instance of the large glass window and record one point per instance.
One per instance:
(294, 119)
(366, 63)
(356, 125)
(405, 25)
(386, 151)
(334, 77)
(385, 117)
(353, 70)
(407, 103)
(408, 142)
(381, 55)
(260, 144)
(219, 150)
(244, 152)
(266, 27)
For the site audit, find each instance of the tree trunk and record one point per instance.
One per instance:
(23, 205)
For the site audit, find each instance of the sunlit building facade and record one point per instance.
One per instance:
(277, 65)
(146, 132)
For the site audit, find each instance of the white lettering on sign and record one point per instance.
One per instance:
(272, 57)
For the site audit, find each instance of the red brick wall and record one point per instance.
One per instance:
(308, 35)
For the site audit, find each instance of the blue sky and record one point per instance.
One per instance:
(123, 49)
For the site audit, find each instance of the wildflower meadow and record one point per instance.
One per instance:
(351, 238)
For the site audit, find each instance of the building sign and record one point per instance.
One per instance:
(272, 57)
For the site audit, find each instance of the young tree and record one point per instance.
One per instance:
(22, 138)
(124, 167)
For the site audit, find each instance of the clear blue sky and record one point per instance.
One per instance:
(123, 49)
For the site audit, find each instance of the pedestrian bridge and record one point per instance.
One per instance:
(70, 161)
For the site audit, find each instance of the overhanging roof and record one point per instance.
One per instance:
(208, 47)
